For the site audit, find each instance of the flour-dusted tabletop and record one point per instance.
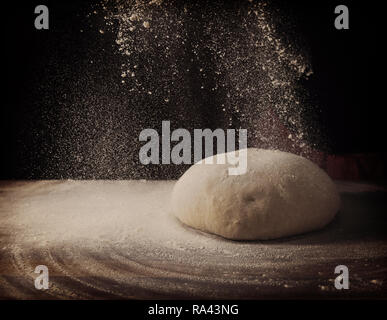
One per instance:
(117, 239)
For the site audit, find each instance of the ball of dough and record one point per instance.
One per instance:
(281, 194)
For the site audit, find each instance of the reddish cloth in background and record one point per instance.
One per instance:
(368, 166)
(357, 166)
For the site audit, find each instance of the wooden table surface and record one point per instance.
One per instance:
(91, 258)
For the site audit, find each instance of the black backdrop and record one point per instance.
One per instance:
(346, 66)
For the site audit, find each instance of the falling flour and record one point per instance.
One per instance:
(238, 55)
(199, 64)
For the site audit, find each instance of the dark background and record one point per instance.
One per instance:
(345, 62)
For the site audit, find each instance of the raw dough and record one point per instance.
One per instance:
(281, 194)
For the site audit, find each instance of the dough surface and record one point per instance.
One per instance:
(281, 194)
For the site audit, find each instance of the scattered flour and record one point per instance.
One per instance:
(117, 239)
